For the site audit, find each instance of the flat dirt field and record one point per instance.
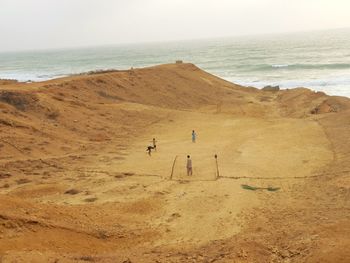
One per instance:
(77, 185)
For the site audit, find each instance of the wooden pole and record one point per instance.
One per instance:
(172, 169)
(217, 167)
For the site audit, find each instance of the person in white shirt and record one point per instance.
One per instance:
(194, 136)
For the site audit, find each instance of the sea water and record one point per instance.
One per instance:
(317, 60)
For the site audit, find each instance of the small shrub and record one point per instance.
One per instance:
(100, 81)
(19, 100)
(90, 200)
(107, 96)
(53, 115)
(86, 258)
(23, 181)
(72, 192)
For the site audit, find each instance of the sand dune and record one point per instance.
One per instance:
(76, 184)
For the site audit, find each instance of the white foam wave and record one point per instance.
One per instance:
(339, 86)
(280, 66)
(25, 77)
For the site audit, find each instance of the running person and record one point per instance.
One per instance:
(149, 150)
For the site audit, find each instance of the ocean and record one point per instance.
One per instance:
(316, 60)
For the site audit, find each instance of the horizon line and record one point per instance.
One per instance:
(150, 42)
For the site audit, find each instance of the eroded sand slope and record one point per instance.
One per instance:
(76, 184)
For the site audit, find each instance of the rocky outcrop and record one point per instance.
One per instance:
(271, 88)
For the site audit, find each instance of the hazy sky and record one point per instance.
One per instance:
(38, 24)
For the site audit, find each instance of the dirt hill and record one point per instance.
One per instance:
(76, 183)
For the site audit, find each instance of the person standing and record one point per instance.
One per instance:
(189, 166)
(194, 136)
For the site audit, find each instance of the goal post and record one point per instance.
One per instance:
(204, 167)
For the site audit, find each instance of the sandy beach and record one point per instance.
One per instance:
(77, 185)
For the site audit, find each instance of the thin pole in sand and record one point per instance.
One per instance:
(172, 169)
(217, 167)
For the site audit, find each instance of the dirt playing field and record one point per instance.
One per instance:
(77, 185)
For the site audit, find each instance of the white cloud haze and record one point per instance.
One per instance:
(39, 24)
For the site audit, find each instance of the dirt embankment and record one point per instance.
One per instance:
(77, 186)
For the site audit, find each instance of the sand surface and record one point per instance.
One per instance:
(76, 183)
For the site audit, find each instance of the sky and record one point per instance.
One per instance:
(51, 24)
